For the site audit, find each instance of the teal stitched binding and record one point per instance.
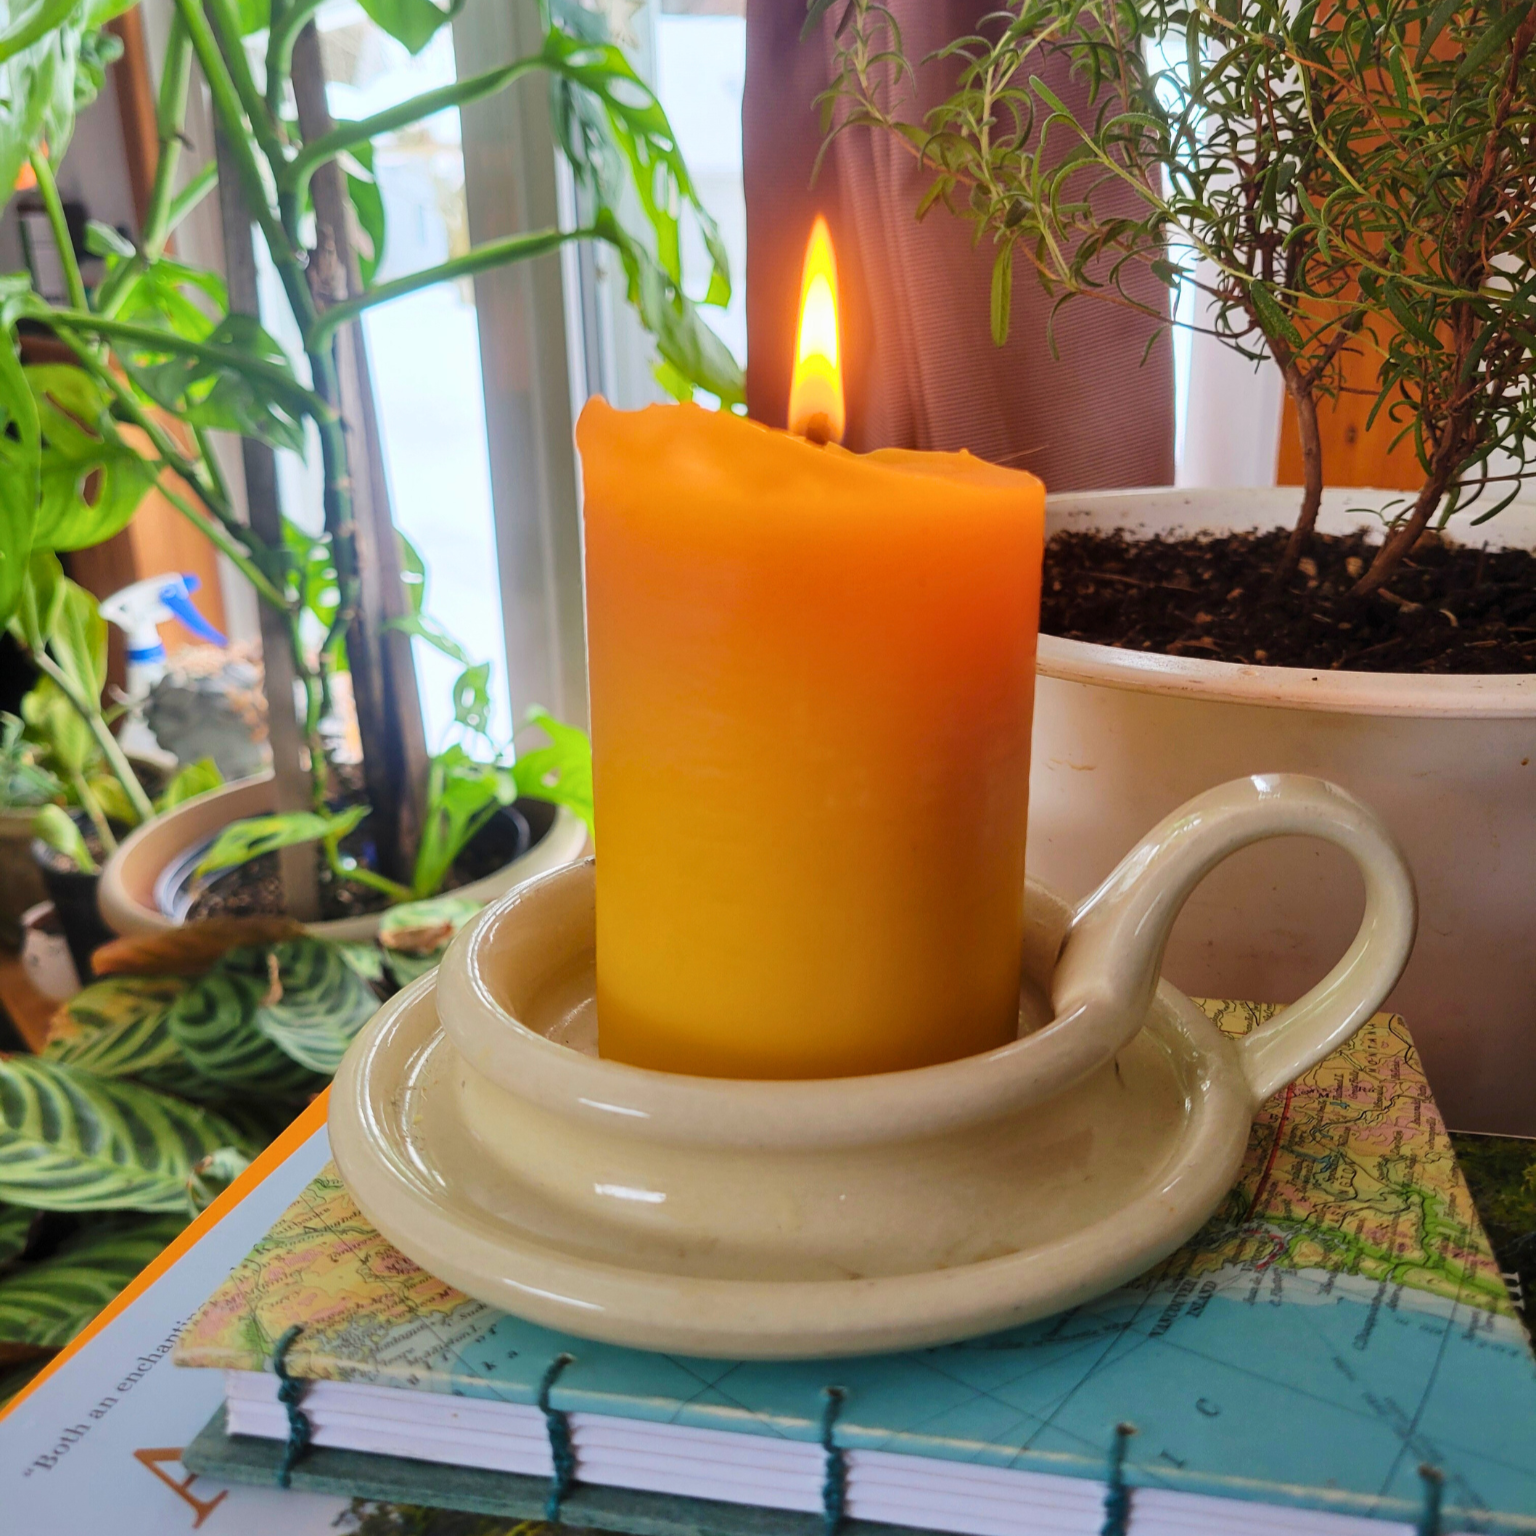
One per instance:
(834, 1486)
(560, 1453)
(1434, 1490)
(290, 1391)
(1117, 1497)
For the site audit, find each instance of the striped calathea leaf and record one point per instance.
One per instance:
(70, 1141)
(314, 1004)
(15, 1224)
(116, 1027)
(47, 1302)
(214, 1023)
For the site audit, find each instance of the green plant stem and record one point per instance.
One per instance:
(494, 253)
(170, 111)
(149, 338)
(49, 189)
(117, 761)
(281, 37)
(344, 135)
(226, 104)
(226, 26)
(191, 195)
(92, 807)
(232, 537)
(350, 869)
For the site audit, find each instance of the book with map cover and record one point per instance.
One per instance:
(1337, 1328)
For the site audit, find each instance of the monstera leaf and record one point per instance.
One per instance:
(48, 1302)
(315, 1004)
(117, 1027)
(214, 1023)
(91, 480)
(73, 1142)
(20, 467)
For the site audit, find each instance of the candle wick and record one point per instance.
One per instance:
(817, 429)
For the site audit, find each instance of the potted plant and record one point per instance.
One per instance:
(164, 356)
(26, 786)
(1334, 183)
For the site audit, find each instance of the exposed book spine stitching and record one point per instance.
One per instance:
(561, 1455)
(834, 1486)
(1117, 1496)
(290, 1393)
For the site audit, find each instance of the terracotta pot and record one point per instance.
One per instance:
(128, 881)
(1449, 762)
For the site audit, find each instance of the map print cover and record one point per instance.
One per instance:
(1337, 1325)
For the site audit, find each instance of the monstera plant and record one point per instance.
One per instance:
(162, 360)
(162, 1078)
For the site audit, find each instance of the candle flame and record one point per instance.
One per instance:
(816, 388)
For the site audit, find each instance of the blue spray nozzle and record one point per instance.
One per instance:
(175, 596)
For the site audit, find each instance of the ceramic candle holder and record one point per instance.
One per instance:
(748, 1218)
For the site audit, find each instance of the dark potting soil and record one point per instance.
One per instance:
(1449, 608)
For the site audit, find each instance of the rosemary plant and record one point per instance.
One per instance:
(1327, 178)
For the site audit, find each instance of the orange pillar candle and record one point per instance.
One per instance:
(812, 678)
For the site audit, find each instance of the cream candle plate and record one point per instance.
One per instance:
(478, 1131)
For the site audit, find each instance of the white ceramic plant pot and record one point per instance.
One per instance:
(1449, 762)
(127, 891)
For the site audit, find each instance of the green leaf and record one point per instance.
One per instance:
(42, 591)
(48, 1302)
(422, 626)
(472, 698)
(1492, 39)
(560, 772)
(15, 1229)
(213, 1175)
(462, 795)
(214, 1023)
(188, 782)
(78, 640)
(69, 747)
(70, 1141)
(1002, 294)
(56, 827)
(368, 204)
(242, 841)
(412, 22)
(41, 88)
(166, 294)
(253, 16)
(216, 392)
(364, 958)
(33, 23)
(117, 1027)
(20, 476)
(315, 1004)
(414, 935)
(1271, 316)
(90, 480)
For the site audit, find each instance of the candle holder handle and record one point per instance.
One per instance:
(1113, 955)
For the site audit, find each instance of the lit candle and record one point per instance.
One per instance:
(812, 678)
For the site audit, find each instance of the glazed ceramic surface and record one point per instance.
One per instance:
(1448, 762)
(477, 1128)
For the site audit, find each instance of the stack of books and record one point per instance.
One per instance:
(1334, 1350)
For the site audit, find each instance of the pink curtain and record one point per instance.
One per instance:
(921, 368)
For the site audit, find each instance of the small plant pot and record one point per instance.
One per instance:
(137, 882)
(73, 894)
(45, 955)
(21, 882)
